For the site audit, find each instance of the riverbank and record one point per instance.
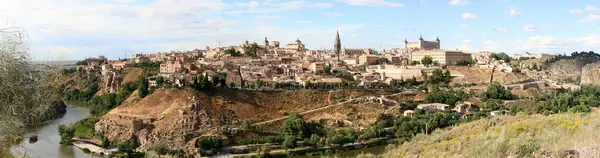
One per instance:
(277, 151)
(48, 144)
(91, 145)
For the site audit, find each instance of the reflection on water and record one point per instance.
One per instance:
(48, 145)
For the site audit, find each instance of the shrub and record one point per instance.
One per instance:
(289, 142)
(343, 136)
(66, 134)
(86, 150)
(209, 142)
(312, 141)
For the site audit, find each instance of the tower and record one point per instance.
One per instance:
(337, 45)
(421, 41)
(405, 43)
(266, 42)
(438, 42)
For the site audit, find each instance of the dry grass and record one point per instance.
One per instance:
(509, 136)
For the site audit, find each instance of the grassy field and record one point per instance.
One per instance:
(510, 136)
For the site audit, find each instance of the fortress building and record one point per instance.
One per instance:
(422, 44)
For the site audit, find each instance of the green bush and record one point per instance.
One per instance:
(343, 136)
(86, 150)
(209, 142)
(289, 142)
(373, 132)
(66, 134)
(261, 140)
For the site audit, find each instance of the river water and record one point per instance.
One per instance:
(48, 145)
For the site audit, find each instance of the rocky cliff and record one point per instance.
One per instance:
(177, 117)
(172, 117)
(590, 74)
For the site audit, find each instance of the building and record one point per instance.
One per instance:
(395, 72)
(337, 45)
(298, 46)
(444, 57)
(351, 61)
(433, 106)
(171, 67)
(536, 56)
(119, 65)
(367, 59)
(422, 44)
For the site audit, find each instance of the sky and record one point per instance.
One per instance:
(75, 29)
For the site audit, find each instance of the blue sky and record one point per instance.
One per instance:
(74, 29)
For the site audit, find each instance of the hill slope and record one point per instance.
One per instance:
(511, 136)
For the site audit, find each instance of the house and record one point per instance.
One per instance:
(433, 106)
(171, 67)
(409, 113)
(465, 107)
(119, 65)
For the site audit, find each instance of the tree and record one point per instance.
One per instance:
(143, 87)
(465, 62)
(232, 52)
(66, 135)
(382, 60)
(26, 93)
(496, 91)
(427, 61)
(294, 125)
(289, 142)
(231, 85)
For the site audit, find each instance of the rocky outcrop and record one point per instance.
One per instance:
(590, 74)
(172, 117)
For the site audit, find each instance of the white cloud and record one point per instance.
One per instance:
(371, 3)
(267, 17)
(540, 44)
(354, 36)
(500, 30)
(458, 2)
(576, 12)
(465, 45)
(334, 14)
(463, 25)
(490, 46)
(422, 1)
(591, 8)
(513, 12)
(304, 22)
(589, 42)
(469, 16)
(530, 28)
(590, 18)
(278, 7)
(253, 4)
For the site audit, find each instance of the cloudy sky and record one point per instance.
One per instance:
(74, 29)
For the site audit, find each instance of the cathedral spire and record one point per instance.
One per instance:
(337, 45)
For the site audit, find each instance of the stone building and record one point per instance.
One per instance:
(444, 57)
(367, 59)
(298, 46)
(422, 44)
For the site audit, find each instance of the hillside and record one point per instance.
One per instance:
(557, 135)
(569, 68)
(176, 117)
(482, 75)
(590, 74)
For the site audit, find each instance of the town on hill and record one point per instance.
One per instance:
(258, 100)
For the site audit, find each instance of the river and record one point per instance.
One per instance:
(48, 145)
